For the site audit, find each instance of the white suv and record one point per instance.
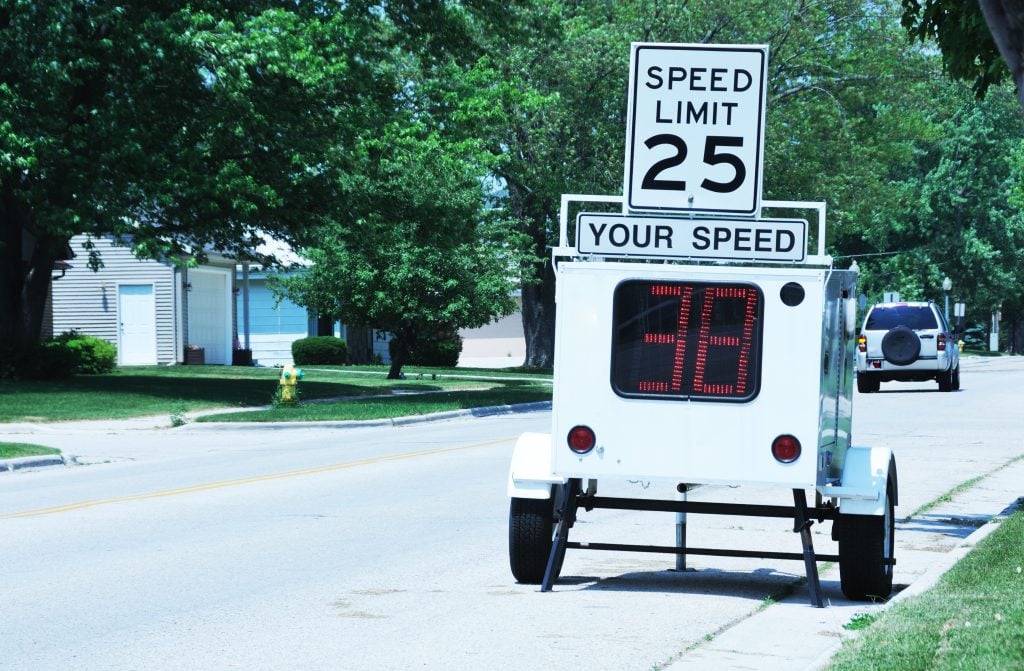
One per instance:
(907, 342)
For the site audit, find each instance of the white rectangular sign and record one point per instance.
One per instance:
(695, 128)
(782, 240)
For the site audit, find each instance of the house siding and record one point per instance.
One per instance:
(87, 301)
(273, 326)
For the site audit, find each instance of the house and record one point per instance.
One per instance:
(157, 312)
(500, 344)
(270, 326)
(150, 310)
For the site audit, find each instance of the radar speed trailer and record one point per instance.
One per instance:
(675, 363)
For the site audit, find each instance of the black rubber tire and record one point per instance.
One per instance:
(867, 384)
(530, 527)
(900, 346)
(956, 378)
(946, 380)
(865, 542)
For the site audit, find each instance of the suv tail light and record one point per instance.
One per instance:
(940, 342)
(862, 343)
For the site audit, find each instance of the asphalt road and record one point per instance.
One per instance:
(385, 547)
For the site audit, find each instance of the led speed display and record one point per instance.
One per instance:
(687, 340)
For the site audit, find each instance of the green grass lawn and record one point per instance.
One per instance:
(12, 450)
(972, 619)
(392, 406)
(174, 390)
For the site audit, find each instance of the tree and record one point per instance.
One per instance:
(972, 36)
(417, 255)
(177, 126)
(552, 106)
(171, 127)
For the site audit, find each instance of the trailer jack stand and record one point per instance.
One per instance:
(565, 509)
(802, 526)
(570, 500)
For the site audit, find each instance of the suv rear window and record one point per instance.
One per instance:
(917, 317)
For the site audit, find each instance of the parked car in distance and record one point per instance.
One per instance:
(906, 341)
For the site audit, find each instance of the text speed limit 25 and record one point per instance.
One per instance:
(696, 125)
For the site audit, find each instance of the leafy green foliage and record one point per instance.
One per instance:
(50, 360)
(441, 348)
(326, 350)
(963, 37)
(416, 254)
(70, 353)
(179, 126)
(95, 355)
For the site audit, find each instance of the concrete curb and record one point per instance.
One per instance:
(359, 423)
(21, 463)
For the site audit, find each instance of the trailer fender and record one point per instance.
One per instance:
(866, 474)
(530, 474)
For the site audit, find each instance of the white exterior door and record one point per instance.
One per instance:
(136, 309)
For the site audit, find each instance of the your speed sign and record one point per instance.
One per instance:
(695, 128)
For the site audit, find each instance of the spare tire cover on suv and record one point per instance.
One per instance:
(901, 346)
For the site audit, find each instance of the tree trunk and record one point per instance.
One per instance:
(538, 279)
(360, 346)
(539, 317)
(324, 325)
(1005, 21)
(1015, 336)
(25, 277)
(401, 346)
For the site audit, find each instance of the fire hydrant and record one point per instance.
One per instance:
(290, 376)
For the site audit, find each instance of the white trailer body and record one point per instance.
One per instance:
(799, 370)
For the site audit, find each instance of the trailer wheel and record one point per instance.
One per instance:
(530, 527)
(866, 548)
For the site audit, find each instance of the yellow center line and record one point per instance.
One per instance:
(245, 481)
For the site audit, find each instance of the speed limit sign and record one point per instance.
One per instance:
(695, 128)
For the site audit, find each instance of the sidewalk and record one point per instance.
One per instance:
(791, 634)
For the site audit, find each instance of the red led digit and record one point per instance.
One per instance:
(706, 340)
(680, 353)
(686, 340)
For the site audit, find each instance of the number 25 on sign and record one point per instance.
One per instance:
(695, 131)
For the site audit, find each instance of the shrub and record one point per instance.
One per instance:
(324, 350)
(441, 349)
(51, 360)
(95, 355)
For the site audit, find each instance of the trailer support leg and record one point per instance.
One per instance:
(566, 510)
(803, 527)
(681, 490)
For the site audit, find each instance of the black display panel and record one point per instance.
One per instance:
(687, 340)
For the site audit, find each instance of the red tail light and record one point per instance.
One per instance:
(581, 439)
(862, 343)
(786, 449)
(941, 342)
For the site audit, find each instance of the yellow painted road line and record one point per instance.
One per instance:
(245, 481)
